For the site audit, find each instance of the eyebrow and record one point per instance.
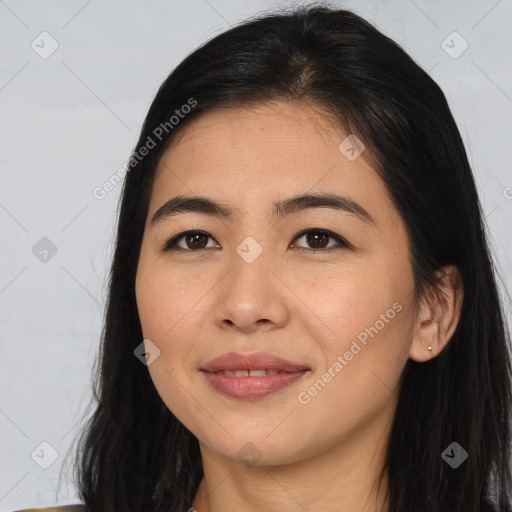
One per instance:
(281, 209)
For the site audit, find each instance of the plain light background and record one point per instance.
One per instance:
(70, 119)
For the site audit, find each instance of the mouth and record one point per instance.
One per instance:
(250, 377)
(249, 373)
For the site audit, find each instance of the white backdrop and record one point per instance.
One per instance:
(76, 80)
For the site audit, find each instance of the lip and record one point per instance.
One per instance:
(259, 361)
(247, 387)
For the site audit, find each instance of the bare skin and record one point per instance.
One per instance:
(301, 447)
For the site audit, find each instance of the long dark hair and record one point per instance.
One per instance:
(133, 454)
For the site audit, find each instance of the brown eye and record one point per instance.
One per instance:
(318, 239)
(188, 241)
(196, 240)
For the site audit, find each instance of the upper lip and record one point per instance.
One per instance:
(260, 361)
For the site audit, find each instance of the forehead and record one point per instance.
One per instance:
(264, 153)
(240, 132)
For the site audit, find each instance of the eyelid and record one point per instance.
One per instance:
(170, 244)
(339, 239)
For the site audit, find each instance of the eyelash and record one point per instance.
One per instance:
(170, 245)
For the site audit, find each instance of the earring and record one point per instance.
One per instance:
(430, 348)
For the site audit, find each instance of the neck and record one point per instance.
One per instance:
(343, 478)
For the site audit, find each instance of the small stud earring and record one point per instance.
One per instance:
(430, 348)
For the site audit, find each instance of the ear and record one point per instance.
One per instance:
(438, 316)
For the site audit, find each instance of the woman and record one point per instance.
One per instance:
(303, 313)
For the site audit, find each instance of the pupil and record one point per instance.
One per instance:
(313, 240)
(190, 239)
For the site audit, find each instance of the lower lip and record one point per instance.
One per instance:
(251, 388)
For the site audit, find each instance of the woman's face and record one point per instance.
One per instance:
(330, 321)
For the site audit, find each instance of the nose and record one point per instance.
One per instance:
(252, 296)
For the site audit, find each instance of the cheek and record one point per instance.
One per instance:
(363, 363)
(167, 298)
(164, 314)
(366, 320)
(344, 304)
(168, 307)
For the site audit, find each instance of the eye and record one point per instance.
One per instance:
(318, 237)
(194, 241)
(198, 240)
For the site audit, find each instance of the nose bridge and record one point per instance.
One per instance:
(249, 268)
(250, 291)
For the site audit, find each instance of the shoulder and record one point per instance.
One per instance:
(64, 508)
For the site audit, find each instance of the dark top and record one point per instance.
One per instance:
(83, 508)
(63, 508)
